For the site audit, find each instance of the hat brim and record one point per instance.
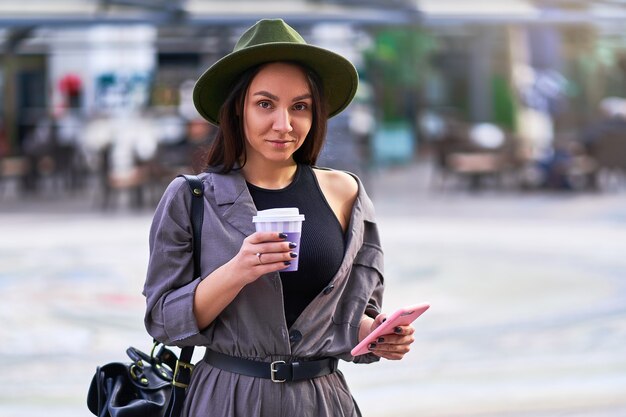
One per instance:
(338, 75)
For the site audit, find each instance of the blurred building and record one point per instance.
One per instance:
(533, 68)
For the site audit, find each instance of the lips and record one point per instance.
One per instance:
(281, 141)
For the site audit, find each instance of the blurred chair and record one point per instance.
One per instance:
(13, 170)
(476, 153)
(605, 143)
(609, 154)
(134, 182)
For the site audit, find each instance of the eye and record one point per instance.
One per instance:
(264, 104)
(300, 106)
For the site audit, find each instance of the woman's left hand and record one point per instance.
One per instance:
(394, 345)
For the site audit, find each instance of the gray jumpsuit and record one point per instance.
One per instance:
(253, 325)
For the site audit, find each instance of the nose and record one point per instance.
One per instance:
(282, 121)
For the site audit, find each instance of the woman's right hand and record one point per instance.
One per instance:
(262, 253)
(217, 290)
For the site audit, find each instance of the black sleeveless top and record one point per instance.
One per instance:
(322, 243)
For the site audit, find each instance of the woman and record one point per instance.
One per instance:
(271, 98)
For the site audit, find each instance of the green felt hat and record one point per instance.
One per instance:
(271, 40)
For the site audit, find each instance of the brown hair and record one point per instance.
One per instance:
(229, 146)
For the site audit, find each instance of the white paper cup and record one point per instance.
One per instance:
(284, 220)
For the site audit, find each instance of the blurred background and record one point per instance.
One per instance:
(491, 136)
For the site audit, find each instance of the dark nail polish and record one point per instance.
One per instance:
(293, 255)
(398, 330)
(282, 235)
(292, 245)
(287, 263)
(381, 340)
(371, 346)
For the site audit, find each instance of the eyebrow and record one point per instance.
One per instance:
(275, 98)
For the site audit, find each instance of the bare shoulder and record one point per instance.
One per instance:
(340, 190)
(341, 185)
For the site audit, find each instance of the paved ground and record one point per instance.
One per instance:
(528, 294)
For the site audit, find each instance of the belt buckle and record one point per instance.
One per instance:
(273, 371)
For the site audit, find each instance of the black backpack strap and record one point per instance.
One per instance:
(182, 373)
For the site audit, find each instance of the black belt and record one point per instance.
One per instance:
(277, 371)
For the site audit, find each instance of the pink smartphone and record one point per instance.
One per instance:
(400, 317)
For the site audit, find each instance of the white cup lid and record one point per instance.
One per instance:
(283, 214)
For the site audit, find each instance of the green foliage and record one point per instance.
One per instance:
(503, 103)
(397, 65)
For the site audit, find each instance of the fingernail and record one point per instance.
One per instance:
(293, 254)
(381, 340)
(371, 346)
(287, 263)
(292, 245)
(398, 330)
(282, 235)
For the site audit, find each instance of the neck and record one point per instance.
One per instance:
(270, 176)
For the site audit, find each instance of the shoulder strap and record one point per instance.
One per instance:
(182, 373)
(197, 216)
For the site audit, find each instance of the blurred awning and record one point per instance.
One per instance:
(26, 21)
(438, 12)
(200, 12)
(37, 13)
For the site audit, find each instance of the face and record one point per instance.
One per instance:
(278, 113)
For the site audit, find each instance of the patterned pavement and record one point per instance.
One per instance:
(528, 295)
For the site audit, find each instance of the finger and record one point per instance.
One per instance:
(403, 330)
(251, 264)
(392, 346)
(391, 339)
(275, 247)
(378, 321)
(260, 237)
(390, 351)
(263, 263)
(399, 331)
(269, 258)
(269, 268)
(394, 356)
